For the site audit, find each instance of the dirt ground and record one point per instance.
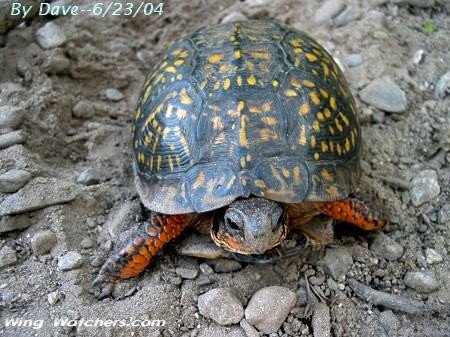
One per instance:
(80, 183)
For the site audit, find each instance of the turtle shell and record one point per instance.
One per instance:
(240, 109)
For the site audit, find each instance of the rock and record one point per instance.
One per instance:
(113, 95)
(432, 256)
(328, 9)
(12, 223)
(387, 248)
(8, 21)
(248, 329)
(86, 243)
(226, 266)
(221, 305)
(422, 282)
(13, 180)
(121, 218)
(146, 57)
(442, 88)
(269, 307)
(321, 320)
(383, 93)
(11, 117)
(206, 269)
(37, 194)
(11, 138)
(42, 242)
(344, 17)
(390, 322)
(337, 262)
(90, 176)
(83, 109)
(421, 3)
(187, 273)
(233, 17)
(424, 187)
(354, 60)
(53, 297)
(57, 63)
(50, 36)
(71, 260)
(444, 214)
(418, 56)
(8, 257)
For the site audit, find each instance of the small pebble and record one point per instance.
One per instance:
(269, 307)
(53, 297)
(71, 131)
(146, 57)
(187, 273)
(302, 296)
(11, 117)
(424, 187)
(328, 9)
(50, 36)
(344, 17)
(418, 56)
(387, 248)
(341, 286)
(221, 305)
(206, 269)
(13, 180)
(226, 266)
(332, 284)
(233, 17)
(421, 3)
(383, 93)
(113, 95)
(442, 88)
(90, 176)
(83, 109)
(42, 242)
(11, 138)
(422, 282)
(86, 243)
(354, 60)
(317, 281)
(57, 63)
(337, 262)
(432, 256)
(249, 330)
(321, 320)
(69, 261)
(444, 214)
(390, 322)
(8, 257)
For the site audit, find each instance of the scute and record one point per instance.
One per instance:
(240, 109)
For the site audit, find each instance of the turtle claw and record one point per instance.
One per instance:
(102, 289)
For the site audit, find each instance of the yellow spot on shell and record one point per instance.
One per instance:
(158, 166)
(320, 116)
(316, 126)
(275, 83)
(316, 156)
(290, 93)
(184, 54)
(314, 98)
(285, 172)
(271, 121)
(243, 162)
(311, 57)
(170, 160)
(178, 62)
(298, 50)
(331, 146)
(251, 80)
(261, 55)
(237, 54)
(339, 149)
(347, 145)
(185, 98)
(344, 118)
(200, 181)
(296, 83)
(248, 157)
(324, 146)
(179, 77)
(171, 69)
(217, 123)
(327, 113)
(304, 109)
(226, 84)
(181, 113)
(243, 141)
(302, 139)
(326, 70)
(151, 163)
(323, 92)
(338, 125)
(239, 80)
(141, 157)
(333, 103)
(217, 85)
(254, 109)
(203, 84)
(326, 175)
(215, 58)
(296, 43)
(308, 83)
(313, 141)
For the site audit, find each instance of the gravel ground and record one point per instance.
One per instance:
(67, 92)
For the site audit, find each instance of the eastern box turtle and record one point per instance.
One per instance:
(248, 128)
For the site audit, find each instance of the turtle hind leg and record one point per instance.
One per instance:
(362, 214)
(141, 246)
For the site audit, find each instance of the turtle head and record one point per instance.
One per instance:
(249, 226)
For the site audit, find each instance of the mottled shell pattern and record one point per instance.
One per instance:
(240, 109)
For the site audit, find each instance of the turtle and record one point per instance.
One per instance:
(247, 130)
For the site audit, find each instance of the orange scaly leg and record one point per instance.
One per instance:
(355, 212)
(132, 258)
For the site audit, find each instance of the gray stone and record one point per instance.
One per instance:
(113, 95)
(71, 260)
(337, 262)
(422, 282)
(269, 307)
(38, 193)
(57, 63)
(13, 180)
(206, 269)
(432, 256)
(146, 57)
(442, 88)
(86, 243)
(50, 36)
(421, 3)
(383, 93)
(221, 305)
(226, 266)
(12, 223)
(249, 330)
(53, 297)
(8, 257)
(83, 109)
(233, 17)
(187, 273)
(444, 214)
(387, 248)
(424, 187)
(390, 322)
(321, 320)
(354, 60)
(11, 117)
(11, 138)
(121, 218)
(42, 242)
(90, 176)
(344, 17)
(328, 9)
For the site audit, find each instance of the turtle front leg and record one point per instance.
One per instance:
(356, 212)
(142, 245)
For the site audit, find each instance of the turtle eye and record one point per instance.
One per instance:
(233, 225)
